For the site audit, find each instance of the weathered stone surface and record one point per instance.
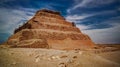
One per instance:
(48, 29)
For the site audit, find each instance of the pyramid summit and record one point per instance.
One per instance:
(48, 29)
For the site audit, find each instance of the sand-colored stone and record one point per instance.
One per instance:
(48, 29)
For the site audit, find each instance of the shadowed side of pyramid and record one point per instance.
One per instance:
(48, 29)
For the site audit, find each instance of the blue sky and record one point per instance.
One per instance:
(100, 19)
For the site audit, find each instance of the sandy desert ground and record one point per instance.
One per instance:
(37, 57)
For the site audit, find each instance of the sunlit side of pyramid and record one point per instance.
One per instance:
(48, 29)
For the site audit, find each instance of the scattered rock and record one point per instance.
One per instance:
(53, 57)
(49, 59)
(69, 61)
(57, 57)
(36, 56)
(11, 53)
(77, 50)
(37, 59)
(74, 57)
(62, 65)
(64, 56)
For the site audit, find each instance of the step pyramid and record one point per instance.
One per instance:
(48, 29)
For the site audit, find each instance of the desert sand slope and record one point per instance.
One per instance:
(112, 56)
(30, 57)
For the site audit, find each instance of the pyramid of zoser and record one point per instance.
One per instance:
(48, 29)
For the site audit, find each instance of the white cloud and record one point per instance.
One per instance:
(77, 18)
(108, 35)
(83, 27)
(82, 4)
(95, 3)
(74, 18)
(10, 19)
(88, 4)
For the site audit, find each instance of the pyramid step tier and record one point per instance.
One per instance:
(37, 25)
(39, 38)
(51, 34)
(47, 14)
(45, 19)
(34, 43)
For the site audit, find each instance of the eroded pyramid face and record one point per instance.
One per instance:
(48, 29)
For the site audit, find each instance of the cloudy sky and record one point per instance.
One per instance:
(100, 19)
